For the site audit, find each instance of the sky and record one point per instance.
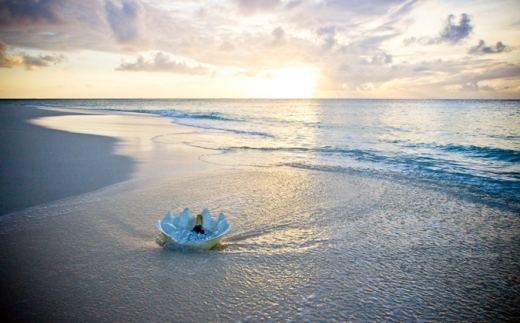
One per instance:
(260, 49)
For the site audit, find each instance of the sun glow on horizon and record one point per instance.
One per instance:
(247, 49)
(292, 82)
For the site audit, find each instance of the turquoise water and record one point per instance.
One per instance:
(465, 144)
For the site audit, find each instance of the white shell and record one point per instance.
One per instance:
(185, 220)
(222, 224)
(178, 231)
(168, 228)
(208, 223)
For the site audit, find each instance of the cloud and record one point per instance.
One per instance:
(221, 35)
(404, 9)
(380, 59)
(451, 32)
(226, 46)
(293, 4)
(438, 76)
(40, 62)
(279, 37)
(126, 19)
(366, 7)
(367, 45)
(353, 44)
(482, 49)
(409, 41)
(485, 71)
(26, 12)
(255, 6)
(248, 74)
(327, 35)
(475, 87)
(99, 25)
(454, 33)
(9, 60)
(30, 62)
(161, 63)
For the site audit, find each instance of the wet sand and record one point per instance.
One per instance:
(54, 158)
(41, 165)
(306, 246)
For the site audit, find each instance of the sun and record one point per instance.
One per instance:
(293, 82)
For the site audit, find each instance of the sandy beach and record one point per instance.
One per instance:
(306, 246)
(41, 165)
(57, 157)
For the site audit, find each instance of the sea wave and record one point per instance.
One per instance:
(495, 187)
(43, 105)
(193, 119)
(508, 155)
(497, 181)
(474, 151)
(193, 115)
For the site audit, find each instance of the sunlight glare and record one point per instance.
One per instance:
(295, 82)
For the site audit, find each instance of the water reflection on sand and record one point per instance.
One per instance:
(305, 246)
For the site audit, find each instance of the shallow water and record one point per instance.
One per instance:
(463, 143)
(306, 246)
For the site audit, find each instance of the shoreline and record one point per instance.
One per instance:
(50, 154)
(41, 165)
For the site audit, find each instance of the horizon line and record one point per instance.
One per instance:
(159, 98)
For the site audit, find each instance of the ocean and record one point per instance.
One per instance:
(342, 211)
(472, 146)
